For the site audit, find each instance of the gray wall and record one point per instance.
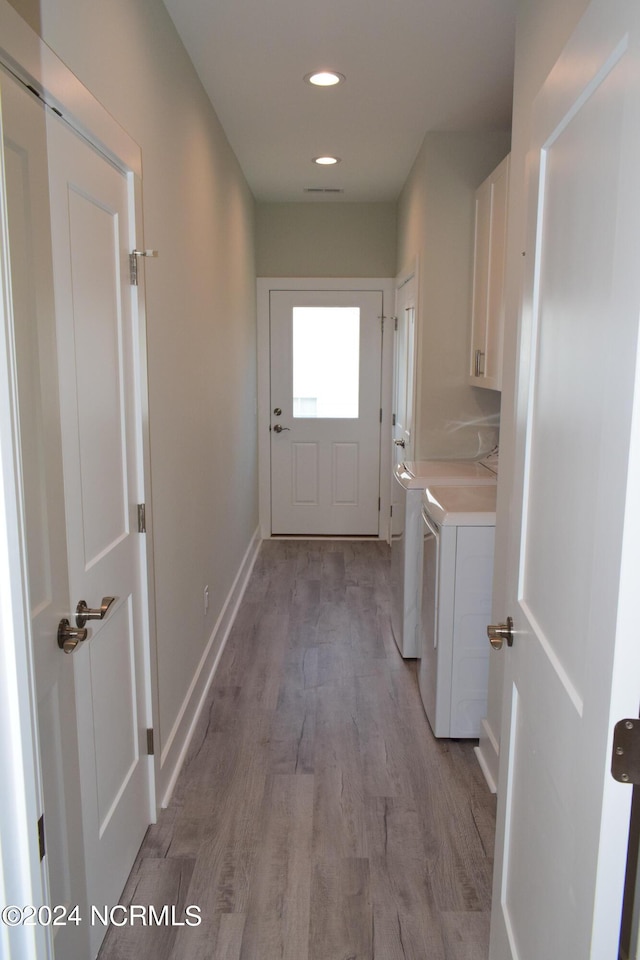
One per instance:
(199, 214)
(436, 227)
(320, 239)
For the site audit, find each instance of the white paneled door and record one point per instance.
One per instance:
(325, 368)
(574, 668)
(404, 344)
(70, 233)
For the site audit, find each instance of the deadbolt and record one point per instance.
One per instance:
(69, 637)
(277, 412)
(499, 633)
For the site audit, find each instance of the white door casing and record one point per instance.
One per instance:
(268, 287)
(573, 669)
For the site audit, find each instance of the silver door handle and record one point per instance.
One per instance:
(399, 443)
(279, 428)
(84, 613)
(500, 632)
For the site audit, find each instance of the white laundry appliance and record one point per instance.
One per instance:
(410, 481)
(458, 541)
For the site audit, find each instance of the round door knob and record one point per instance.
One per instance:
(69, 637)
(500, 632)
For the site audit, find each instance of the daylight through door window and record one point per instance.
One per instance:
(326, 362)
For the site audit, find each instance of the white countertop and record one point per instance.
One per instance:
(462, 506)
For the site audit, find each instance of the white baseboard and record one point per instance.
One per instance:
(487, 753)
(175, 750)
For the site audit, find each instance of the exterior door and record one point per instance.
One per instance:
(76, 382)
(574, 668)
(325, 350)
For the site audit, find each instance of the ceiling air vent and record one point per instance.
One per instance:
(322, 190)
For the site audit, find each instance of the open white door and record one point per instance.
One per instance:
(75, 347)
(404, 349)
(574, 668)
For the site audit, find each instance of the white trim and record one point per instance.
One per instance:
(33, 62)
(177, 745)
(386, 285)
(488, 756)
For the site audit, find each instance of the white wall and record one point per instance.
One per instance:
(435, 224)
(199, 213)
(320, 239)
(543, 27)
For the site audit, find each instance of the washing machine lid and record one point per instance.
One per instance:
(422, 473)
(462, 506)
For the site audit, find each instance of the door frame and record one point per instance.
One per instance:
(265, 285)
(22, 877)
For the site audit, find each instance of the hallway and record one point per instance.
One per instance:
(316, 816)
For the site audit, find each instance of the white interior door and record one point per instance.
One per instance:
(25, 157)
(69, 241)
(574, 668)
(325, 368)
(404, 371)
(92, 236)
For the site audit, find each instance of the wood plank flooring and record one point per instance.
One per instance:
(316, 817)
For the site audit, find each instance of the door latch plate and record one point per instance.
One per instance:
(625, 761)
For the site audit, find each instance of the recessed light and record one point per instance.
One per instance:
(326, 161)
(325, 78)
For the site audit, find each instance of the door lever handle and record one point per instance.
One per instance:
(399, 443)
(500, 632)
(280, 429)
(84, 613)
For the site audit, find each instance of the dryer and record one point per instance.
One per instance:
(410, 481)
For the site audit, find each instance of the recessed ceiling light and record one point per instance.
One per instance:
(325, 78)
(326, 161)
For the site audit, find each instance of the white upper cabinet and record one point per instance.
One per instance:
(487, 317)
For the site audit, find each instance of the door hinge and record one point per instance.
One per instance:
(150, 750)
(41, 837)
(395, 323)
(393, 420)
(133, 263)
(380, 414)
(625, 760)
(379, 504)
(142, 518)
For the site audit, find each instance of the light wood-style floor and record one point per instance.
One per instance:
(316, 817)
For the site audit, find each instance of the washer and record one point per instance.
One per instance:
(410, 481)
(458, 540)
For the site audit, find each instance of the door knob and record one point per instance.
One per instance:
(399, 443)
(279, 428)
(499, 633)
(68, 637)
(84, 613)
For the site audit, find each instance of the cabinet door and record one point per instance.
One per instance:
(487, 323)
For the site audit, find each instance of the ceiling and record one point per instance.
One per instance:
(411, 67)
